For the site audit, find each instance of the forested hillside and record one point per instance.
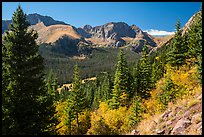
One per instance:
(91, 61)
(154, 93)
(133, 97)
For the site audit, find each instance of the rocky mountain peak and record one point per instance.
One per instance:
(87, 27)
(47, 20)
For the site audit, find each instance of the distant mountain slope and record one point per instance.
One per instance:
(114, 34)
(34, 19)
(50, 34)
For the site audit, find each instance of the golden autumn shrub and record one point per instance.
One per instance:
(114, 121)
(186, 83)
(61, 127)
(84, 123)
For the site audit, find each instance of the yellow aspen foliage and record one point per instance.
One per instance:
(186, 84)
(123, 99)
(61, 127)
(84, 122)
(157, 58)
(114, 121)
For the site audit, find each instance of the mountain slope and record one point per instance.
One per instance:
(182, 116)
(50, 34)
(34, 19)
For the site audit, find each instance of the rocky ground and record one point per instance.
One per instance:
(183, 118)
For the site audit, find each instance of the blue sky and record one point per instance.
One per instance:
(157, 17)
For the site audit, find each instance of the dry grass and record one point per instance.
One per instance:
(193, 102)
(70, 85)
(79, 57)
(147, 125)
(52, 33)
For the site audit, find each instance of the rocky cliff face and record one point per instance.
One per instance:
(115, 34)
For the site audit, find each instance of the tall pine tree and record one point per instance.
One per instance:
(177, 56)
(77, 97)
(27, 108)
(145, 74)
(195, 37)
(195, 42)
(123, 82)
(157, 70)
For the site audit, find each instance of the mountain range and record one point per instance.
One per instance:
(112, 34)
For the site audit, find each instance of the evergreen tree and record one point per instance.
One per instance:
(195, 37)
(157, 70)
(77, 97)
(51, 83)
(144, 75)
(69, 113)
(195, 42)
(89, 89)
(123, 82)
(136, 112)
(169, 91)
(27, 108)
(136, 72)
(106, 87)
(177, 56)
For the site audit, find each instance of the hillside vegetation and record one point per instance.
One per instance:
(161, 94)
(111, 91)
(96, 60)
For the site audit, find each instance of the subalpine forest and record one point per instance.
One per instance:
(113, 104)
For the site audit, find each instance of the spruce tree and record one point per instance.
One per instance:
(136, 76)
(195, 37)
(77, 97)
(157, 70)
(169, 91)
(177, 56)
(136, 112)
(106, 87)
(69, 113)
(51, 84)
(144, 75)
(195, 42)
(123, 82)
(27, 108)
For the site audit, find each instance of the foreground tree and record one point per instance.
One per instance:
(123, 83)
(76, 101)
(195, 42)
(27, 107)
(177, 55)
(144, 75)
